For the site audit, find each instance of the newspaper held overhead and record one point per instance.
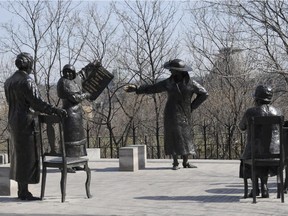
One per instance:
(95, 78)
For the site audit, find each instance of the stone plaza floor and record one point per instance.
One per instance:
(211, 189)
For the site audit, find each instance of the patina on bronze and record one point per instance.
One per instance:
(95, 78)
(262, 99)
(69, 89)
(23, 99)
(177, 114)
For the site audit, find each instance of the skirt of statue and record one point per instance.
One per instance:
(76, 149)
(74, 133)
(260, 171)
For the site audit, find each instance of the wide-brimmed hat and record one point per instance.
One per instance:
(177, 64)
(263, 93)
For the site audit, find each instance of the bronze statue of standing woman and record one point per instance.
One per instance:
(24, 100)
(178, 139)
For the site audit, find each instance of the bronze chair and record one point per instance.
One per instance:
(54, 155)
(261, 134)
(285, 143)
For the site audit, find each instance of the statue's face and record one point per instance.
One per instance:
(70, 75)
(29, 70)
(176, 73)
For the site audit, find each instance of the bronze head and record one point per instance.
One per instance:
(263, 94)
(69, 71)
(24, 61)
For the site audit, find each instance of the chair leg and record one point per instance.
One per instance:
(63, 183)
(286, 180)
(281, 184)
(43, 182)
(88, 180)
(245, 182)
(254, 184)
(278, 185)
(245, 188)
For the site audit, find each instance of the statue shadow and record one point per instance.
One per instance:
(158, 168)
(201, 198)
(8, 199)
(107, 169)
(116, 169)
(229, 194)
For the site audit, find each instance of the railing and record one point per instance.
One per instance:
(207, 147)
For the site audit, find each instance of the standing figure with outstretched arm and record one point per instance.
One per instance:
(178, 140)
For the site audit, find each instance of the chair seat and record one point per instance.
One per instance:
(264, 162)
(70, 160)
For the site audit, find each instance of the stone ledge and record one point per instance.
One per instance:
(8, 187)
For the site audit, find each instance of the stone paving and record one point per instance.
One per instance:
(212, 189)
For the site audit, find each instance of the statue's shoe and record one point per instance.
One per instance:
(189, 165)
(29, 197)
(250, 195)
(175, 167)
(265, 194)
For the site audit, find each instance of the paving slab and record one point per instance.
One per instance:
(211, 189)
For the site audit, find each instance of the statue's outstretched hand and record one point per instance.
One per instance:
(130, 88)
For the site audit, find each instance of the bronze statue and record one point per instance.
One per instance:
(69, 89)
(177, 115)
(24, 100)
(262, 98)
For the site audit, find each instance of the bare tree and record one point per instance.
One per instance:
(149, 40)
(42, 30)
(214, 41)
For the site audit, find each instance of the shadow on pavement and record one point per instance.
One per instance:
(203, 198)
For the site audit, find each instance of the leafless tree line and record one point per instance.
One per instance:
(232, 46)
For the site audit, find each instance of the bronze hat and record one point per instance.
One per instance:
(177, 64)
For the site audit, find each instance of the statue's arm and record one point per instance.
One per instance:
(31, 94)
(152, 89)
(201, 93)
(64, 92)
(243, 125)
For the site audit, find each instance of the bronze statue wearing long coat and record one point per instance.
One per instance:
(70, 91)
(177, 113)
(23, 100)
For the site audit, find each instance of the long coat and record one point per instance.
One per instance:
(177, 113)
(23, 100)
(274, 137)
(70, 91)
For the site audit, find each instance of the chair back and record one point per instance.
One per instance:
(51, 136)
(285, 140)
(267, 136)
